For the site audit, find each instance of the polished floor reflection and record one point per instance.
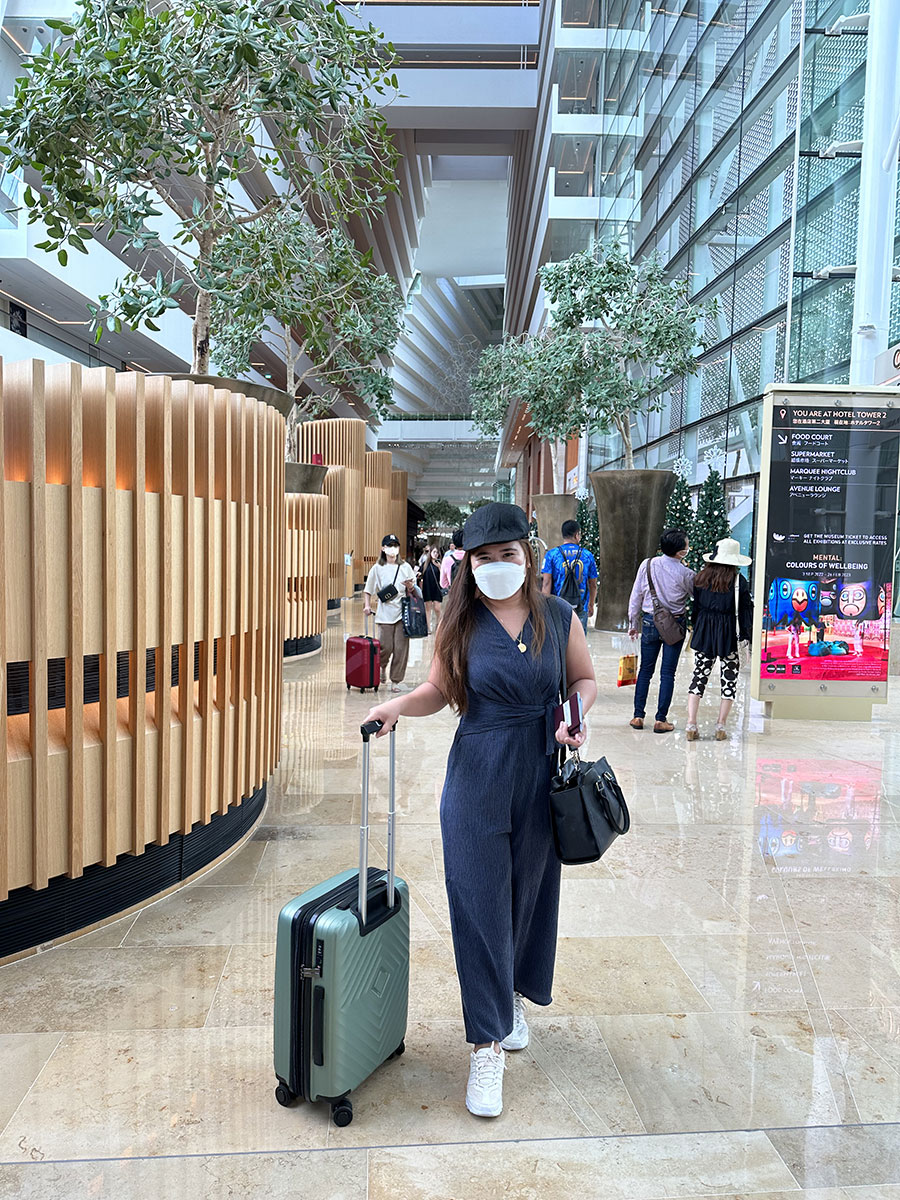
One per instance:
(727, 1000)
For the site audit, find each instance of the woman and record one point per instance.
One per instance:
(497, 662)
(431, 586)
(674, 586)
(388, 580)
(719, 623)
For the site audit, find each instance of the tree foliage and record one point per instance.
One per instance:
(679, 510)
(590, 526)
(317, 299)
(711, 520)
(619, 329)
(226, 112)
(441, 514)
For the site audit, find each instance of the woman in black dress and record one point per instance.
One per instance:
(723, 616)
(431, 586)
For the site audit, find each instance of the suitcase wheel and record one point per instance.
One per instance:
(342, 1113)
(400, 1050)
(348, 687)
(284, 1096)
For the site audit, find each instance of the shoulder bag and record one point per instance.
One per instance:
(390, 591)
(668, 627)
(587, 809)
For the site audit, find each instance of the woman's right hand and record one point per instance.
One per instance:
(367, 611)
(388, 713)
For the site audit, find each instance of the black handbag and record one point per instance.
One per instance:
(587, 808)
(390, 591)
(414, 616)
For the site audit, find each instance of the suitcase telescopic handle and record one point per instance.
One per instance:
(367, 730)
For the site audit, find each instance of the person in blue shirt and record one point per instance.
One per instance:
(581, 566)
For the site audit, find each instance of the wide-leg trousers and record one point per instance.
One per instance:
(502, 876)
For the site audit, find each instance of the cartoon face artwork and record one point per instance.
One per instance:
(881, 601)
(800, 599)
(853, 600)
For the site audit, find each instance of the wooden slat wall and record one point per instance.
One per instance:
(307, 565)
(342, 443)
(339, 533)
(379, 507)
(399, 496)
(136, 514)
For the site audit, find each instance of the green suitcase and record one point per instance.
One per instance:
(342, 973)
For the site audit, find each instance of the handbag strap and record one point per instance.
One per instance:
(650, 585)
(556, 619)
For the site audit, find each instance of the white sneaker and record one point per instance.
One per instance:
(518, 1039)
(484, 1094)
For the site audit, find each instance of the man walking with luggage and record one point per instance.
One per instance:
(570, 572)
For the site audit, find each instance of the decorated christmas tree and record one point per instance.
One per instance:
(679, 510)
(711, 520)
(587, 519)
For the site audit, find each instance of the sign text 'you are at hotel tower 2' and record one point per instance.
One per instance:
(826, 542)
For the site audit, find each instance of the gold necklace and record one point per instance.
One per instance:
(519, 642)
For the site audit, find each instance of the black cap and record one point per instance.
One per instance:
(495, 523)
(390, 539)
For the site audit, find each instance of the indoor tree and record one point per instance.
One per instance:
(224, 112)
(441, 514)
(679, 510)
(711, 520)
(619, 329)
(311, 294)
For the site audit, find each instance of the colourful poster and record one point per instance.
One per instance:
(829, 554)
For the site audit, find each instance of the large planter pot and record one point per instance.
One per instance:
(551, 512)
(304, 477)
(631, 507)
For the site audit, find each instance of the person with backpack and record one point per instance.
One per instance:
(669, 588)
(570, 572)
(451, 561)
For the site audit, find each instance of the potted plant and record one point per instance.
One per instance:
(618, 330)
(225, 114)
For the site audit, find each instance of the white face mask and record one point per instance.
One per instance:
(391, 551)
(500, 580)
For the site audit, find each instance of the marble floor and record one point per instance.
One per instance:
(727, 1001)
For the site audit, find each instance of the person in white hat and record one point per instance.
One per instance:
(723, 616)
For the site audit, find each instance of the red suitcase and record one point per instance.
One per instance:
(363, 665)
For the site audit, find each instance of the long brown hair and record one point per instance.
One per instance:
(718, 577)
(454, 634)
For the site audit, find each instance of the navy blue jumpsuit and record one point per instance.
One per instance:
(501, 870)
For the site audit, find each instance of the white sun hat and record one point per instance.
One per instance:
(728, 554)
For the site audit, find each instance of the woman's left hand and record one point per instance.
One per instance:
(573, 740)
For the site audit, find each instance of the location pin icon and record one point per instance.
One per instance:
(783, 413)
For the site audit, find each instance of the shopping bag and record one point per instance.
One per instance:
(415, 620)
(628, 669)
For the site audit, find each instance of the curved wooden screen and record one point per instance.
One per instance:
(341, 441)
(399, 495)
(340, 533)
(142, 545)
(307, 565)
(379, 518)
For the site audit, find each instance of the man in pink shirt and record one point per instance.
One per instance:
(453, 555)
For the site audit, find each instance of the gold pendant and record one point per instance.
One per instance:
(522, 647)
